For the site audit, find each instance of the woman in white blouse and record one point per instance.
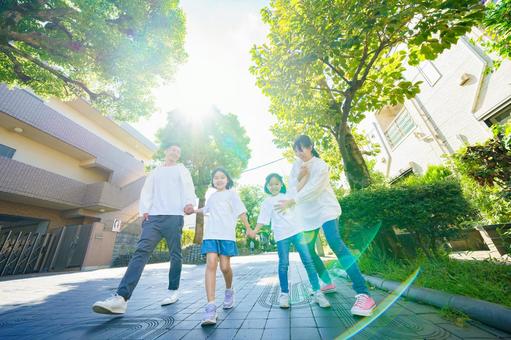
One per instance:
(316, 207)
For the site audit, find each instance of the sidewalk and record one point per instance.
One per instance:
(59, 307)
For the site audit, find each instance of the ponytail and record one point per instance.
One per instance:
(304, 141)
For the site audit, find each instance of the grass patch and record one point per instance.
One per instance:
(458, 318)
(485, 280)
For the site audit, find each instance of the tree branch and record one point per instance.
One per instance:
(17, 67)
(336, 70)
(92, 95)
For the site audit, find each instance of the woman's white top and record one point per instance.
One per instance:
(222, 211)
(283, 224)
(316, 202)
(166, 191)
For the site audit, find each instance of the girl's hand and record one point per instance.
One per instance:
(251, 233)
(284, 205)
(304, 171)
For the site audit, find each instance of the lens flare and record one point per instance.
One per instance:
(384, 305)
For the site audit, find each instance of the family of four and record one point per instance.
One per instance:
(295, 214)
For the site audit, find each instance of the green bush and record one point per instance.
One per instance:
(186, 240)
(428, 212)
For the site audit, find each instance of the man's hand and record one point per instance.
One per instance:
(146, 216)
(188, 210)
(284, 205)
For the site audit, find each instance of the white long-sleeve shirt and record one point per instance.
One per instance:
(166, 191)
(316, 202)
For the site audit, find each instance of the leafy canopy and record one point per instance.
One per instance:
(109, 52)
(327, 63)
(215, 140)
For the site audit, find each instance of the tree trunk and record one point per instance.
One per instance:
(199, 224)
(355, 167)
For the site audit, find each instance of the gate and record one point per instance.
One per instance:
(28, 252)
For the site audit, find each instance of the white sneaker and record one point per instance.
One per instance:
(320, 299)
(172, 298)
(114, 305)
(284, 300)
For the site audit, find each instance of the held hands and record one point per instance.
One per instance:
(251, 233)
(188, 209)
(146, 216)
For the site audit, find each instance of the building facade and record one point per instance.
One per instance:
(69, 177)
(457, 104)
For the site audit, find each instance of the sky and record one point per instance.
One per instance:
(220, 34)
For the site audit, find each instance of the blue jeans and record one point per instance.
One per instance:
(154, 229)
(347, 261)
(301, 247)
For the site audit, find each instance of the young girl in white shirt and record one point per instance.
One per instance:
(287, 231)
(223, 208)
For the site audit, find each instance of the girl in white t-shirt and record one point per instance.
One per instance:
(223, 208)
(286, 232)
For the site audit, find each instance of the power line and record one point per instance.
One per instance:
(263, 165)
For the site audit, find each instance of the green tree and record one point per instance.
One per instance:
(327, 62)
(109, 52)
(213, 140)
(252, 196)
(497, 24)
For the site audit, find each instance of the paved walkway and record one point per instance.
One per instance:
(59, 307)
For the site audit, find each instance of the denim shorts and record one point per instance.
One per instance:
(221, 247)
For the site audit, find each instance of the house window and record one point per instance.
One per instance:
(6, 151)
(429, 72)
(400, 128)
(500, 118)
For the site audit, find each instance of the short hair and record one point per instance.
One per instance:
(279, 178)
(230, 182)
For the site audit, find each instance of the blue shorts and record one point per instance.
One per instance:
(221, 247)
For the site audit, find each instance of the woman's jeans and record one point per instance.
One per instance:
(283, 247)
(346, 259)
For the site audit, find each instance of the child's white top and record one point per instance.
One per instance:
(284, 224)
(222, 209)
(316, 202)
(166, 191)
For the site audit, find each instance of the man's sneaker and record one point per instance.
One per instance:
(284, 300)
(229, 298)
(114, 305)
(209, 315)
(173, 297)
(320, 299)
(364, 305)
(328, 289)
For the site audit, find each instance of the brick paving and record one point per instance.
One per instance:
(59, 307)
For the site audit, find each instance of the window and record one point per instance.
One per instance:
(500, 118)
(429, 72)
(400, 128)
(6, 151)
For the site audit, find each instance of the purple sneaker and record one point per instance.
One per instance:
(229, 298)
(209, 315)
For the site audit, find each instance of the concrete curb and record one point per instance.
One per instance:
(492, 314)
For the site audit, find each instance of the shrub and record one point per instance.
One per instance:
(429, 212)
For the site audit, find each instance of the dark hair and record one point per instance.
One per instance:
(304, 141)
(230, 182)
(279, 178)
(169, 145)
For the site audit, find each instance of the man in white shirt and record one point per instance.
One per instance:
(167, 195)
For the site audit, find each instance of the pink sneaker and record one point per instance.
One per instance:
(364, 305)
(328, 289)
